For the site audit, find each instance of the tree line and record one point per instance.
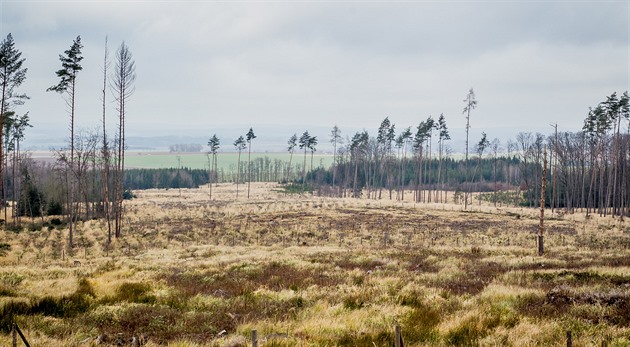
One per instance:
(588, 169)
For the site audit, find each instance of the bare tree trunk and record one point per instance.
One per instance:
(2, 156)
(249, 166)
(541, 229)
(71, 173)
(238, 172)
(106, 154)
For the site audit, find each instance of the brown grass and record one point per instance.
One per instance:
(311, 271)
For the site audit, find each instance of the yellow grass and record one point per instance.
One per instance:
(313, 271)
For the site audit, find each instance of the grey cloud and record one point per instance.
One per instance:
(210, 63)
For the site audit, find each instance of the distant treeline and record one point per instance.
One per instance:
(585, 170)
(165, 178)
(185, 148)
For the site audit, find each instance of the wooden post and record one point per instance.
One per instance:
(569, 339)
(16, 330)
(14, 335)
(398, 340)
(254, 338)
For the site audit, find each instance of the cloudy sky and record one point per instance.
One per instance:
(208, 65)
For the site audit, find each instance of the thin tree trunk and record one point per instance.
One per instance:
(249, 166)
(238, 172)
(2, 156)
(71, 181)
(541, 229)
(106, 156)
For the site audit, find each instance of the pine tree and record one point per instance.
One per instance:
(70, 67)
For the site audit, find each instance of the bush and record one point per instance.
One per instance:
(56, 221)
(54, 209)
(128, 195)
(31, 202)
(14, 227)
(35, 227)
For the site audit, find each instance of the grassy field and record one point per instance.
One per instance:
(225, 161)
(310, 271)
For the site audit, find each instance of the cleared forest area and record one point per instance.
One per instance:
(315, 271)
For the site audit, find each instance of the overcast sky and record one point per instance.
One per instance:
(206, 65)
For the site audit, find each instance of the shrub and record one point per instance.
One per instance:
(35, 227)
(14, 227)
(54, 209)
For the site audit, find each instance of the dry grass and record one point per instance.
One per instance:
(313, 271)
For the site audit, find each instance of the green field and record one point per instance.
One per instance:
(225, 161)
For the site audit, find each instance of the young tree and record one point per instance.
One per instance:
(124, 76)
(12, 75)
(70, 67)
(239, 145)
(249, 136)
(291, 148)
(471, 104)
(214, 144)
